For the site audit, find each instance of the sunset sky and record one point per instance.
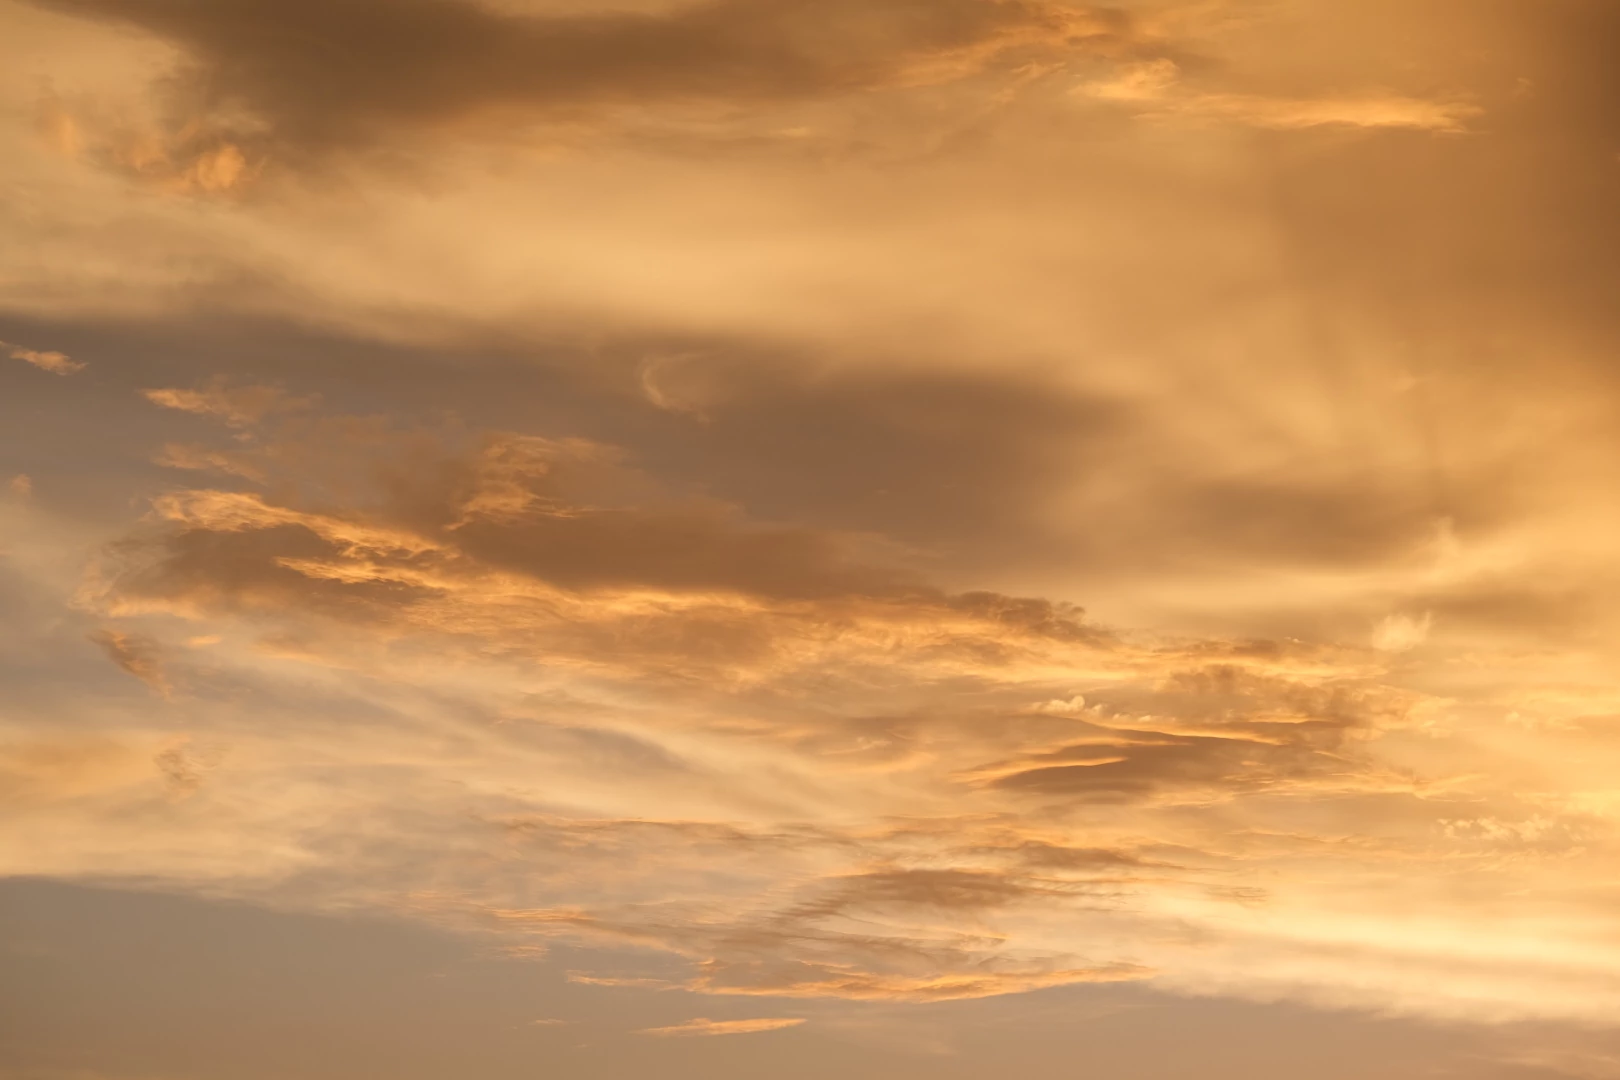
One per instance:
(876, 539)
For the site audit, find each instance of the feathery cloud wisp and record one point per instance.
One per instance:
(702, 1027)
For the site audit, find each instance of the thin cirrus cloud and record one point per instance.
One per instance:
(854, 510)
(313, 78)
(1152, 89)
(790, 770)
(703, 1027)
(237, 406)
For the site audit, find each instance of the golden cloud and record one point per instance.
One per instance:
(54, 362)
(703, 1027)
(794, 770)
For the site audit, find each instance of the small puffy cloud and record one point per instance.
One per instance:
(702, 1027)
(1151, 81)
(1401, 633)
(216, 170)
(1072, 706)
(187, 158)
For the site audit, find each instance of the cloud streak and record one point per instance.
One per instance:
(54, 362)
(1154, 89)
(704, 1028)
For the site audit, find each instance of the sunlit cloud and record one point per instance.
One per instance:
(853, 510)
(238, 406)
(703, 1027)
(799, 772)
(134, 656)
(721, 51)
(54, 362)
(1154, 88)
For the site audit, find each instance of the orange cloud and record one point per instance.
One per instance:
(236, 405)
(1154, 88)
(703, 1027)
(488, 63)
(54, 362)
(795, 371)
(135, 655)
(796, 770)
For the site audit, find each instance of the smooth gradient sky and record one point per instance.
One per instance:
(877, 538)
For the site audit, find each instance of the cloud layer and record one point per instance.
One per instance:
(822, 510)
(621, 716)
(300, 81)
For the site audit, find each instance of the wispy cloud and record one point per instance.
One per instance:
(256, 85)
(856, 502)
(702, 1027)
(135, 655)
(1024, 799)
(54, 362)
(237, 405)
(1156, 88)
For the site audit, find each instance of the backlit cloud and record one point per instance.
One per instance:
(911, 520)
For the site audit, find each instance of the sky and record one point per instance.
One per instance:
(882, 538)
